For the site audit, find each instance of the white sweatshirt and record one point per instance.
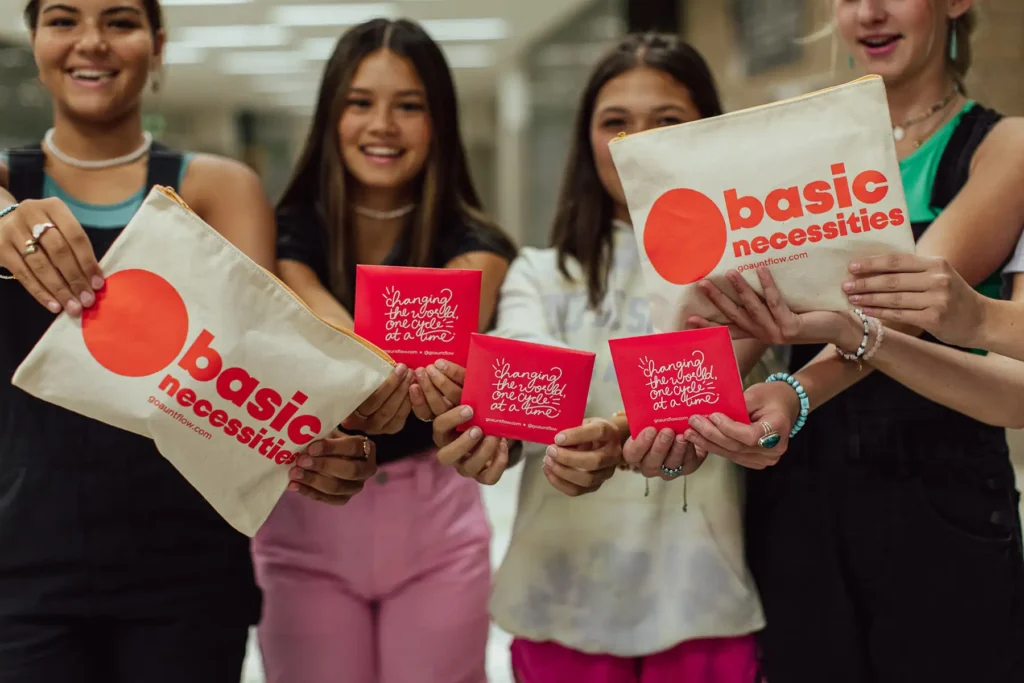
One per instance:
(615, 572)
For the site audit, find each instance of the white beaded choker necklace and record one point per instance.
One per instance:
(385, 215)
(147, 142)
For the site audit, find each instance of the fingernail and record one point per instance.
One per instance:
(295, 473)
(854, 267)
(649, 433)
(504, 445)
(293, 486)
(680, 439)
(420, 375)
(316, 448)
(305, 462)
(560, 439)
(716, 419)
(665, 437)
(54, 307)
(848, 286)
(548, 461)
(431, 370)
(466, 412)
(87, 299)
(73, 308)
(695, 421)
(96, 282)
(855, 298)
(440, 364)
(400, 369)
(475, 433)
(551, 451)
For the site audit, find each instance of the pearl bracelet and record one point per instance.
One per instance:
(856, 357)
(879, 336)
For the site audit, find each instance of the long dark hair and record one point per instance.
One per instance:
(447, 195)
(583, 222)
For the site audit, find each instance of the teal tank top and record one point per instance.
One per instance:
(113, 216)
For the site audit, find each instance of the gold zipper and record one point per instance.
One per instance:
(171, 194)
(870, 77)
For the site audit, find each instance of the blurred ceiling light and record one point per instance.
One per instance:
(232, 36)
(266, 63)
(332, 15)
(183, 53)
(200, 3)
(469, 56)
(453, 30)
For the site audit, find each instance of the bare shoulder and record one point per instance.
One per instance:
(212, 180)
(1004, 144)
(4, 181)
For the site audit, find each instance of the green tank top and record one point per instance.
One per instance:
(918, 171)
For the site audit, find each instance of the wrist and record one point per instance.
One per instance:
(849, 335)
(981, 335)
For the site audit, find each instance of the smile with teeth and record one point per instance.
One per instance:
(381, 151)
(91, 75)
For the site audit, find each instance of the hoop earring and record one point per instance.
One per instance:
(954, 52)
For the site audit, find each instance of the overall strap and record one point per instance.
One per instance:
(25, 172)
(164, 167)
(955, 163)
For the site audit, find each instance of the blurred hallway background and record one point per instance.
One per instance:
(242, 76)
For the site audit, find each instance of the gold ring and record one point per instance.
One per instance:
(31, 247)
(39, 229)
(367, 447)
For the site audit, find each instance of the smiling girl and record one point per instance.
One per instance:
(393, 588)
(112, 567)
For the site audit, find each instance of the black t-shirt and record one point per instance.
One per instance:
(302, 237)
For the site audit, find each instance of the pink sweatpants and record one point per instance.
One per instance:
(390, 588)
(711, 660)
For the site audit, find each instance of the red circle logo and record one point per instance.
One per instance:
(138, 324)
(685, 236)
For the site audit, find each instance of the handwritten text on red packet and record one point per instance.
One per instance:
(525, 391)
(665, 379)
(418, 315)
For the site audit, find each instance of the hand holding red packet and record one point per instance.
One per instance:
(418, 315)
(665, 379)
(524, 391)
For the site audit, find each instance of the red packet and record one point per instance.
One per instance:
(525, 391)
(418, 315)
(665, 379)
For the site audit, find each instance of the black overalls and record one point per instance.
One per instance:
(112, 567)
(886, 544)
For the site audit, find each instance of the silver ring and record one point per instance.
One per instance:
(366, 447)
(39, 229)
(423, 420)
(360, 415)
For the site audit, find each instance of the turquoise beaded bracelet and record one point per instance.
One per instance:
(801, 393)
(7, 210)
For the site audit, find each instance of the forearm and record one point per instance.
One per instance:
(988, 388)
(1001, 328)
(748, 353)
(6, 199)
(827, 375)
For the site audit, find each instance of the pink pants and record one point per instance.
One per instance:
(390, 588)
(712, 660)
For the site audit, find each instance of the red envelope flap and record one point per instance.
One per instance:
(667, 378)
(525, 391)
(418, 315)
